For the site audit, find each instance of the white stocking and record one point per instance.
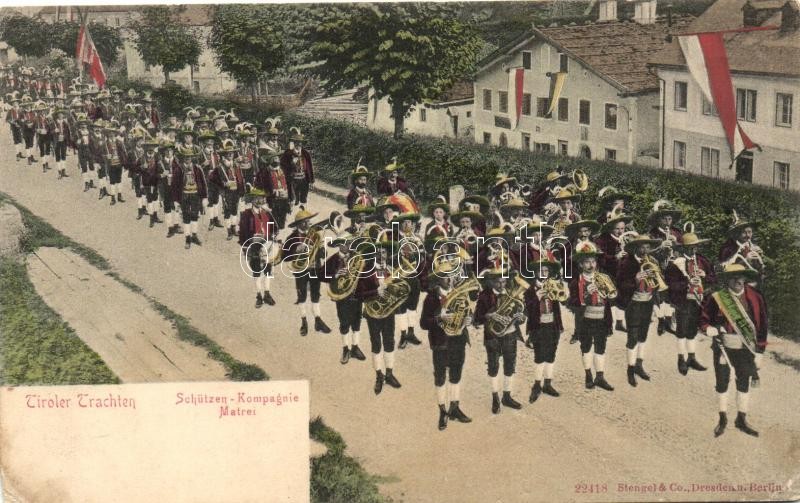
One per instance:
(441, 394)
(388, 359)
(600, 363)
(587, 360)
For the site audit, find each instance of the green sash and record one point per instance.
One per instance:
(737, 316)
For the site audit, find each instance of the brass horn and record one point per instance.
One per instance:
(580, 180)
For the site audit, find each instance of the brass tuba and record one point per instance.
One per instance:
(508, 305)
(459, 304)
(343, 286)
(397, 292)
(314, 241)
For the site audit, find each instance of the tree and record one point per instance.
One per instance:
(247, 41)
(408, 52)
(25, 35)
(163, 41)
(64, 36)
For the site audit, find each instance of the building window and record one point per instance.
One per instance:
(196, 68)
(679, 155)
(542, 105)
(526, 60)
(563, 63)
(563, 147)
(709, 162)
(487, 99)
(469, 113)
(746, 104)
(611, 155)
(487, 138)
(423, 114)
(783, 110)
(196, 86)
(503, 140)
(526, 104)
(563, 109)
(611, 116)
(542, 148)
(584, 112)
(681, 95)
(526, 141)
(780, 175)
(116, 21)
(709, 108)
(502, 102)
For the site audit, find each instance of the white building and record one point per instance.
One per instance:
(450, 116)
(765, 70)
(608, 107)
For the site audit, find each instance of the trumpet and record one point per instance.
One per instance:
(605, 286)
(654, 279)
(749, 263)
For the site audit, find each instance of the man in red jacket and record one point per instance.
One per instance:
(189, 187)
(257, 231)
(688, 276)
(544, 326)
(736, 316)
(612, 246)
(298, 168)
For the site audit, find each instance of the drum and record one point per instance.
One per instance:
(404, 202)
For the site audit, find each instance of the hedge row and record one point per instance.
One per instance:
(432, 165)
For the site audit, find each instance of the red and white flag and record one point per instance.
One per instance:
(87, 55)
(516, 80)
(707, 61)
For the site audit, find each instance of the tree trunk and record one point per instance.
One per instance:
(253, 91)
(399, 113)
(166, 77)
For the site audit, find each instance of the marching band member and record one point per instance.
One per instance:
(638, 279)
(345, 263)
(189, 188)
(564, 212)
(499, 344)
(439, 225)
(554, 182)
(297, 246)
(61, 136)
(44, 136)
(166, 165)
(544, 325)
(385, 211)
(577, 233)
(740, 249)
(661, 221)
(246, 157)
(468, 221)
(137, 165)
(448, 351)
(381, 330)
(736, 318)
(359, 193)
(272, 180)
(611, 243)
(503, 190)
(28, 127)
(590, 296)
(390, 182)
(151, 178)
(358, 216)
(298, 167)
(257, 229)
(411, 249)
(83, 143)
(688, 278)
(210, 161)
(229, 179)
(515, 211)
(99, 152)
(611, 199)
(13, 118)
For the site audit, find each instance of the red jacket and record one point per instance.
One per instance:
(386, 189)
(177, 181)
(679, 284)
(711, 315)
(575, 302)
(534, 312)
(427, 321)
(247, 225)
(608, 262)
(287, 164)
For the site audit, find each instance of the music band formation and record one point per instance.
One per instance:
(502, 264)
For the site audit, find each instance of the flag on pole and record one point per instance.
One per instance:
(516, 80)
(87, 54)
(556, 85)
(707, 62)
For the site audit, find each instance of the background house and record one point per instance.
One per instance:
(608, 108)
(765, 70)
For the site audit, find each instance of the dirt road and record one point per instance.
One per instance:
(581, 446)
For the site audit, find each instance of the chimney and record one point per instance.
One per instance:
(790, 17)
(645, 11)
(607, 10)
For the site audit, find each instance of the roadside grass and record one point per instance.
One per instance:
(38, 347)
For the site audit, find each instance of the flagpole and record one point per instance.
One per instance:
(78, 57)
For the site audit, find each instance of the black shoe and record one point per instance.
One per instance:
(510, 402)
(188, 243)
(152, 220)
(103, 193)
(44, 167)
(156, 220)
(589, 382)
(171, 231)
(378, 382)
(86, 186)
(91, 184)
(60, 174)
(536, 390)
(196, 240)
(345, 355)
(442, 418)
(64, 173)
(140, 213)
(683, 368)
(356, 353)
(694, 364)
(456, 414)
(620, 327)
(495, 404)
(403, 340)
(639, 369)
(113, 200)
(19, 156)
(723, 422)
(304, 327)
(119, 198)
(230, 235)
(391, 380)
(320, 326)
(573, 339)
(741, 425)
(529, 343)
(30, 160)
(216, 223)
(259, 301)
(413, 338)
(600, 382)
(632, 375)
(268, 300)
(549, 389)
